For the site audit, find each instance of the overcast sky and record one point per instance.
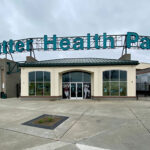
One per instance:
(33, 18)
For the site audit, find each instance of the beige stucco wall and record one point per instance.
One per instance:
(96, 80)
(143, 66)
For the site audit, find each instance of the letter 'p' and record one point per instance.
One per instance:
(132, 37)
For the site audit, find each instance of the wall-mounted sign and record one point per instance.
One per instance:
(130, 40)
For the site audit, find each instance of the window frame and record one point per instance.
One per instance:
(109, 81)
(43, 83)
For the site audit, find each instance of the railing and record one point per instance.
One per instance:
(143, 89)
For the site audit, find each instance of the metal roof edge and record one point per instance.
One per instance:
(79, 64)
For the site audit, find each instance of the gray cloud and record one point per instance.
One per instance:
(34, 18)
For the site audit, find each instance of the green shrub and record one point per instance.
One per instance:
(41, 121)
(50, 119)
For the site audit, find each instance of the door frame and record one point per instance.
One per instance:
(75, 98)
(76, 83)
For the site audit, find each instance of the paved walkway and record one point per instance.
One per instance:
(92, 125)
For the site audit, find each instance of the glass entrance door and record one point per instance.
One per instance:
(76, 90)
(79, 90)
(73, 90)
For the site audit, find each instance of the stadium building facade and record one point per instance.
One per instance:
(78, 78)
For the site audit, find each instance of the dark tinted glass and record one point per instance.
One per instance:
(114, 75)
(39, 89)
(47, 89)
(46, 76)
(106, 75)
(86, 77)
(39, 76)
(31, 76)
(66, 77)
(106, 89)
(31, 88)
(114, 88)
(76, 77)
(123, 76)
(123, 89)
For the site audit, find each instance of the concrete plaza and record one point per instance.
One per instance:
(92, 125)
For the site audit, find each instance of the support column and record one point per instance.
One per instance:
(54, 83)
(131, 82)
(97, 83)
(24, 83)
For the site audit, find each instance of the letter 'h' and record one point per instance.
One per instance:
(46, 42)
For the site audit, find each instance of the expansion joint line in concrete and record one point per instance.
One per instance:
(139, 119)
(75, 122)
(103, 132)
(28, 134)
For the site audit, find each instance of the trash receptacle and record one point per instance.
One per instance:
(3, 95)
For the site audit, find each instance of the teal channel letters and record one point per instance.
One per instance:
(19, 46)
(4, 47)
(105, 39)
(53, 42)
(129, 40)
(76, 43)
(145, 43)
(133, 37)
(65, 44)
